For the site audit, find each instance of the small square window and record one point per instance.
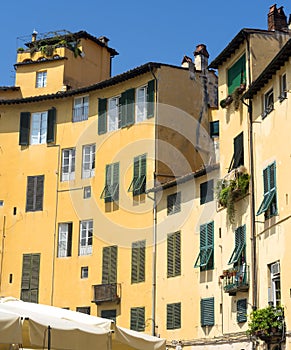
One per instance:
(206, 192)
(174, 203)
(41, 79)
(283, 88)
(84, 272)
(87, 192)
(1, 203)
(214, 129)
(268, 105)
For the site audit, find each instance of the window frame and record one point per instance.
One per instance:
(41, 79)
(80, 108)
(174, 203)
(141, 104)
(70, 174)
(241, 310)
(84, 272)
(268, 102)
(90, 171)
(112, 126)
(86, 237)
(209, 194)
(65, 239)
(283, 87)
(38, 128)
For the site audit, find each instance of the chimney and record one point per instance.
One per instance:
(104, 40)
(277, 19)
(33, 36)
(186, 62)
(201, 57)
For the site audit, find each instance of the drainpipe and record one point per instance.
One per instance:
(154, 260)
(2, 250)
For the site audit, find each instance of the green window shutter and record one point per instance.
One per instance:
(123, 109)
(238, 156)
(138, 184)
(241, 310)
(130, 106)
(69, 243)
(240, 244)
(39, 192)
(137, 319)
(51, 123)
(102, 117)
(205, 259)
(138, 262)
(110, 192)
(26, 271)
(236, 74)
(269, 200)
(30, 277)
(151, 99)
(24, 128)
(207, 312)
(174, 316)
(174, 254)
(109, 265)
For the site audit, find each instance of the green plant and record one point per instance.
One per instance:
(266, 322)
(228, 191)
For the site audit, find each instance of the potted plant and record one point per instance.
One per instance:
(228, 191)
(267, 323)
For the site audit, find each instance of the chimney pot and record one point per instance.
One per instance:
(34, 35)
(277, 19)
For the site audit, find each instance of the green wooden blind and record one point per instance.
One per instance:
(151, 99)
(138, 183)
(205, 259)
(30, 277)
(109, 265)
(138, 262)
(239, 246)
(34, 193)
(102, 117)
(174, 254)
(51, 123)
(137, 319)
(238, 154)
(127, 107)
(174, 316)
(236, 75)
(110, 192)
(207, 312)
(241, 310)
(269, 200)
(24, 128)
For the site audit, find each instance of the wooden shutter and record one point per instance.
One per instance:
(138, 262)
(30, 277)
(151, 99)
(177, 254)
(115, 181)
(30, 193)
(102, 117)
(24, 128)
(130, 106)
(207, 312)
(69, 239)
(26, 269)
(236, 74)
(241, 309)
(39, 192)
(137, 318)
(174, 254)
(51, 122)
(170, 255)
(174, 316)
(122, 101)
(109, 265)
(238, 145)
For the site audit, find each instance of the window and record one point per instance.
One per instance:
(88, 163)
(109, 314)
(205, 259)
(65, 240)
(214, 129)
(137, 319)
(174, 254)
(236, 74)
(110, 191)
(84, 272)
(34, 193)
(241, 310)
(86, 237)
(138, 261)
(283, 87)
(109, 265)
(238, 255)
(174, 316)
(268, 103)
(138, 183)
(275, 287)
(68, 164)
(87, 192)
(207, 312)
(238, 152)
(173, 203)
(37, 128)
(81, 108)
(269, 203)
(120, 111)
(83, 309)
(41, 79)
(30, 277)
(206, 192)
(113, 113)
(141, 104)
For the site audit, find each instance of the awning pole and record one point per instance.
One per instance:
(49, 337)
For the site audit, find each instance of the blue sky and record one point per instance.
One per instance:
(141, 31)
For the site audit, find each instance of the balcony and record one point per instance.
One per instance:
(236, 279)
(110, 292)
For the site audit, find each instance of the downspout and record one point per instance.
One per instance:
(2, 250)
(154, 259)
(252, 172)
(55, 225)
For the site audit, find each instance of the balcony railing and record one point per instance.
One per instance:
(110, 292)
(236, 279)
